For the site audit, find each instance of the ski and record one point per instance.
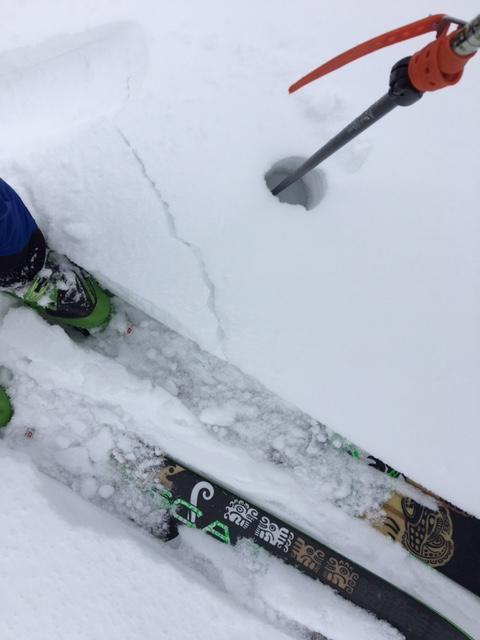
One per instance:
(447, 539)
(194, 500)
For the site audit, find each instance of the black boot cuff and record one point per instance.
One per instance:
(21, 267)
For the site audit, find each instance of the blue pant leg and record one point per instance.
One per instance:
(16, 223)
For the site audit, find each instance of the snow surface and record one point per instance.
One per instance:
(81, 403)
(73, 571)
(140, 137)
(139, 134)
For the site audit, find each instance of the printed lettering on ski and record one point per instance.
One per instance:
(197, 502)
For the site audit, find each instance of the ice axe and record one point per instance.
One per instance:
(440, 64)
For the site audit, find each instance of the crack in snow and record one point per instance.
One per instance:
(128, 86)
(212, 304)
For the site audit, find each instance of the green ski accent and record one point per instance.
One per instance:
(219, 530)
(190, 507)
(231, 518)
(6, 410)
(393, 474)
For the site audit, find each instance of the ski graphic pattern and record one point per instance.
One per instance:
(447, 539)
(194, 501)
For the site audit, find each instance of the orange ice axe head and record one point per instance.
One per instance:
(439, 64)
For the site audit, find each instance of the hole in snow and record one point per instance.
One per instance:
(307, 191)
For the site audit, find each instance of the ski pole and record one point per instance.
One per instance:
(438, 65)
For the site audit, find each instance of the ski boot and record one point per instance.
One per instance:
(64, 293)
(6, 411)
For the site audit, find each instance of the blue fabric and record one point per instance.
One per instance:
(16, 223)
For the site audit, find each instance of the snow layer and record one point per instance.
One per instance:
(362, 312)
(139, 134)
(80, 404)
(72, 571)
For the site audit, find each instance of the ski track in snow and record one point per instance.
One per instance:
(196, 251)
(236, 409)
(73, 435)
(70, 570)
(78, 417)
(82, 398)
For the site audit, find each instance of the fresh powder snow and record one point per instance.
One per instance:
(140, 135)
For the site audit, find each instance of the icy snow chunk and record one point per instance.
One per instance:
(121, 323)
(106, 491)
(75, 460)
(100, 445)
(88, 488)
(221, 432)
(220, 416)
(63, 441)
(343, 490)
(168, 350)
(78, 427)
(171, 387)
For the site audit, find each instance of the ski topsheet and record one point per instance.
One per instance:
(193, 500)
(447, 539)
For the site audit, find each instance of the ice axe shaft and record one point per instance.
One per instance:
(438, 65)
(401, 93)
(371, 115)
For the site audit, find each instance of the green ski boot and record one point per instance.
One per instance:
(6, 411)
(65, 293)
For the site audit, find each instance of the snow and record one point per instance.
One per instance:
(81, 402)
(362, 311)
(70, 570)
(140, 134)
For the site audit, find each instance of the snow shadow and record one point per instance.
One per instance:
(307, 191)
